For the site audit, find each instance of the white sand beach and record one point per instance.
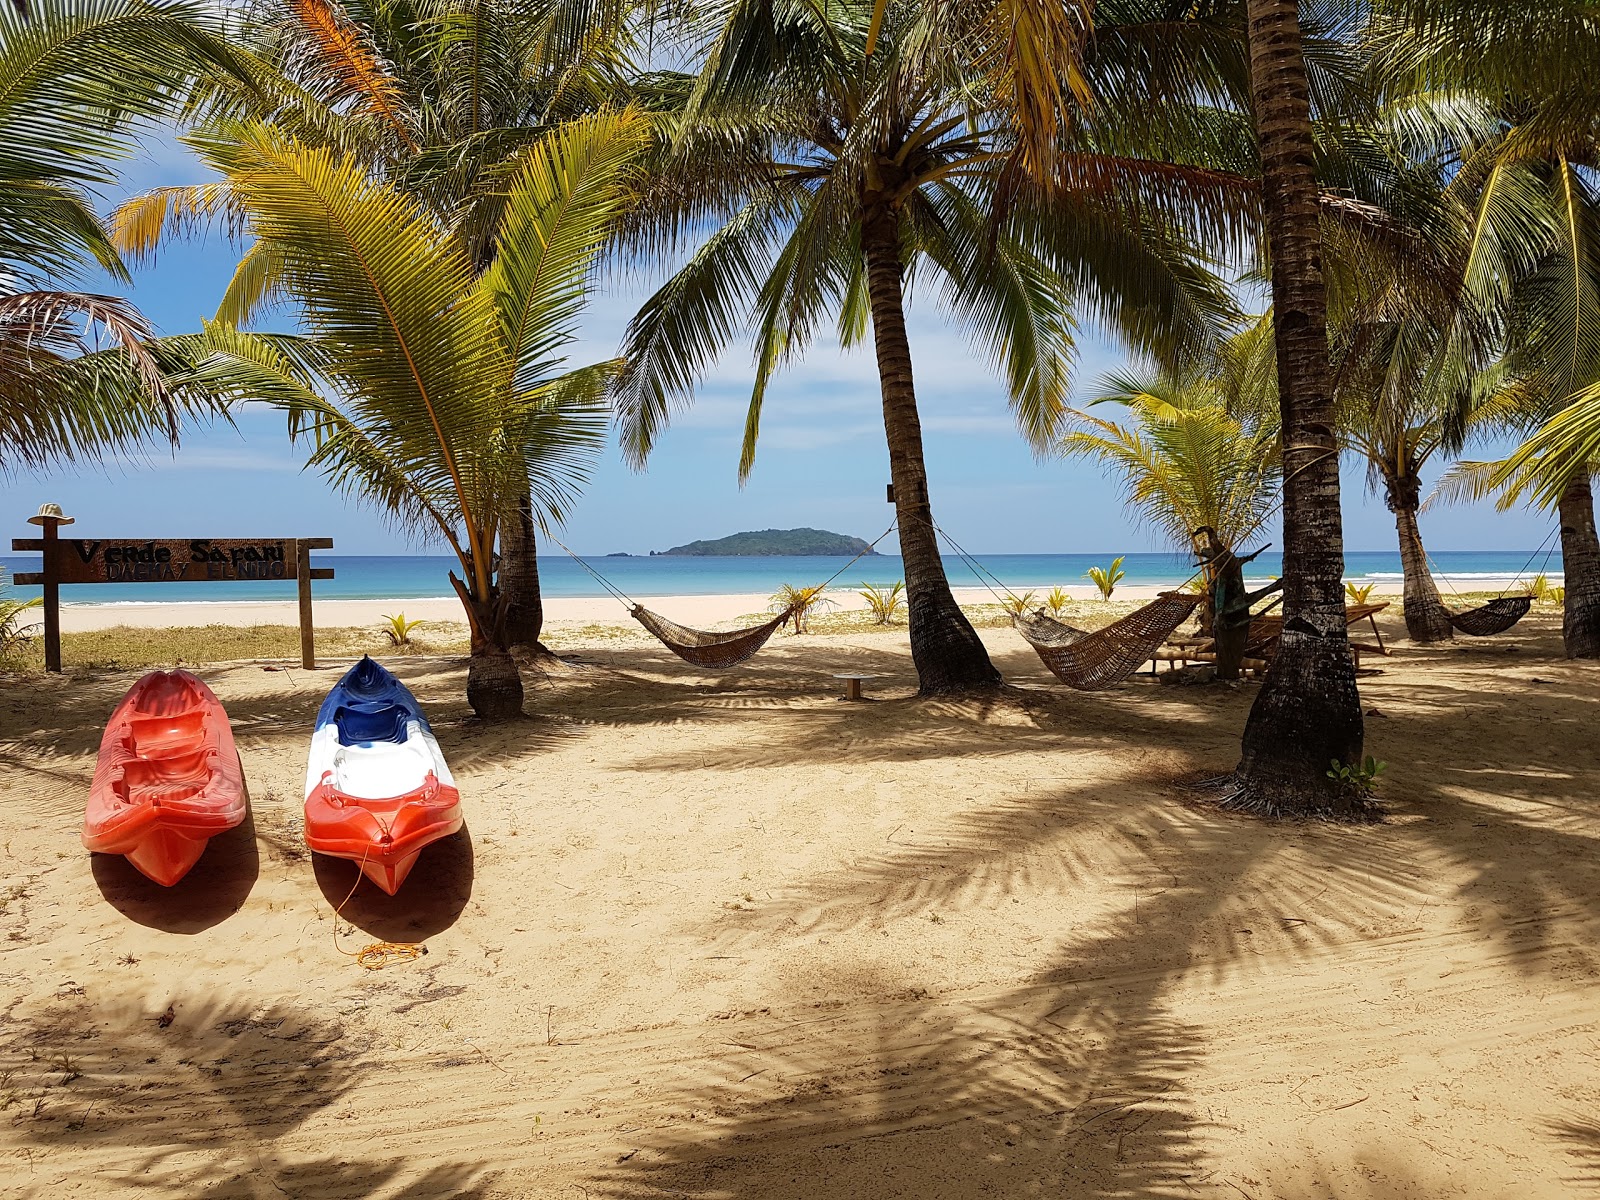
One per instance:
(725, 937)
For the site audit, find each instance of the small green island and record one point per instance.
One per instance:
(818, 542)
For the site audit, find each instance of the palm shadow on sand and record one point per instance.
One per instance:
(430, 901)
(215, 888)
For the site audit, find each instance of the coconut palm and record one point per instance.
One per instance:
(1527, 138)
(836, 151)
(426, 387)
(1189, 457)
(439, 99)
(78, 80)
(1308, 711)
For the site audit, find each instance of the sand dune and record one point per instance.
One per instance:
(728, 938)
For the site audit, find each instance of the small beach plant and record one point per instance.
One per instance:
(798, 602)
(884, 603)
(13, 632)
(399, 629)
(1359, 777)
(1541, 590)
(1358, 595)
(1057, 600)
(1107, 578)
(1017, 605)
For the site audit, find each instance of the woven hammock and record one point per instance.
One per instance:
(1099, 659)
(1497, 616)
(714, 651)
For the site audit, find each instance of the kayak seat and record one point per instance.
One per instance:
(362, 725)
(157, 737)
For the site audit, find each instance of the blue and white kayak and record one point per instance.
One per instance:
(377, 787)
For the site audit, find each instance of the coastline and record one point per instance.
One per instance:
(560, 611)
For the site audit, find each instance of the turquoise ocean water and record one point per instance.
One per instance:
(419, 576)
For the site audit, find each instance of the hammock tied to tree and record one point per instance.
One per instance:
(709, 649)
(1501, 613)
(1497, 616)
(1089, 660)
(713, 651)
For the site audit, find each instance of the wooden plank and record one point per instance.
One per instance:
(316, 543)
(322, 573)
(171, 560)
(308, 645)
(34, 578)
(27, 543)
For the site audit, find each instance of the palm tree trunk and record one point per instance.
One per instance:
(494, 685)
(1427, 619)
(948, 654)
(1308, 712)
(1580, 563)
(519, 582)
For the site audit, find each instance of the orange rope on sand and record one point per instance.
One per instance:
(376, 955)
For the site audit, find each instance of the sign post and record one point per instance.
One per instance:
(165, 560)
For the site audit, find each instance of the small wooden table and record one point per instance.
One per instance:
(852, 685)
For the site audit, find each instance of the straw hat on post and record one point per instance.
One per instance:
(50, 514)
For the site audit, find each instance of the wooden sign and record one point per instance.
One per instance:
(197, 560)
(167, 560)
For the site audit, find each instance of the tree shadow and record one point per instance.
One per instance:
(176, 1073)
(1580, 1138)
(339, 1179)
(215, 888)
(430, 901)
(1072, 1083)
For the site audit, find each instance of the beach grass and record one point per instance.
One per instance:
(129, 648)
(124, 647)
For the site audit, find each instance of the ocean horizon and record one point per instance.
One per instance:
(421, 577)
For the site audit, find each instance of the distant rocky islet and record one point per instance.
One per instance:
(769, 543)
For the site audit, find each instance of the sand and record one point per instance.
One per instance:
(729, 938)
(560, 611)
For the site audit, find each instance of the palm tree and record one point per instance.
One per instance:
(439, 99)
(428, 388)
(1308, 712)
(1513, 81)
(836, 151)
(1190, 457)
(78, 78)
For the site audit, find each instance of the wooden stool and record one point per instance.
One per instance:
(852, 685)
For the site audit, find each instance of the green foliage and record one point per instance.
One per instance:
(1057, 600)
(1184, 459)
(1107, 578)
(13, 632)
(1017, 605)
(79, 82)
(791, 123)
(1541, 589)
(425, 388)
(884, 604)
(399, 629)
(799, 603)
(1360, 778)
(1358, 595)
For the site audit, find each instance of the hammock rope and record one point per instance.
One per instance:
(710, 649)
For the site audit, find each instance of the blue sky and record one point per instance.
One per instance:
(821, 462)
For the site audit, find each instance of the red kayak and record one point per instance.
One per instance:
(168, 779)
